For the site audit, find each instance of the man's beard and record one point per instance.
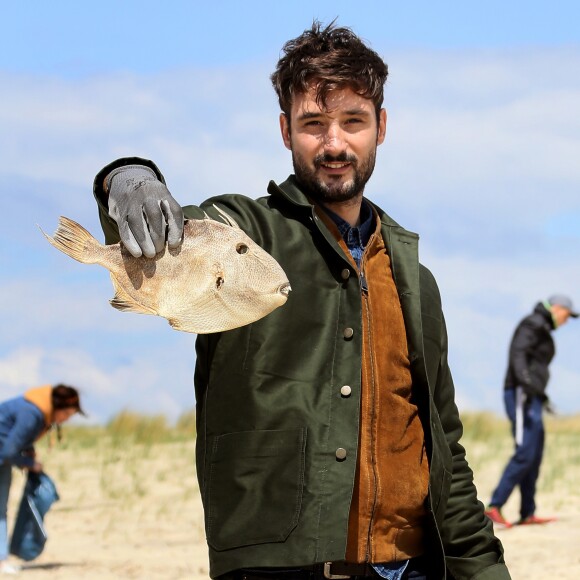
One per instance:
(340, 190)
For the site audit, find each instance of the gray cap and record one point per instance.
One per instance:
(565, 302)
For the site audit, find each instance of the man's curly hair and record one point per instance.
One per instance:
(328, 58)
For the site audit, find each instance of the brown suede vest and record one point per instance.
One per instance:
(388, 504)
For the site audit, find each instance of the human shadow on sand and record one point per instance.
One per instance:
(48, 566)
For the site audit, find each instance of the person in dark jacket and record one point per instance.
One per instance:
(23, 420)
(530, 353)
(328, 435)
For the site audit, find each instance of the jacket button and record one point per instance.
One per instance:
(340, 454)
(345, 391)
(345, 274)
(348, 333)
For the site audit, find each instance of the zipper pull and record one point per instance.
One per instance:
(363, 283)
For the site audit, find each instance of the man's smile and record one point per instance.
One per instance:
(335, 165)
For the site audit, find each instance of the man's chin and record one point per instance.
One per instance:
(332, 192)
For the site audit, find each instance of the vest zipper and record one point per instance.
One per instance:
(363, 283)
(364, 287)
(372, 397)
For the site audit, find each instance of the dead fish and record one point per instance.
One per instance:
(217, 280)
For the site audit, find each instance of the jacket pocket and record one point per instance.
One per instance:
(255, 487)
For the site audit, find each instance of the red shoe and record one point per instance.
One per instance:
(534, 520)
(494, 514)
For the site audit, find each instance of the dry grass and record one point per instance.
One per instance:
(489, 445)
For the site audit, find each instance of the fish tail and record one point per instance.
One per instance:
(72, 239)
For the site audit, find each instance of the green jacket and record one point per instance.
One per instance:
(270, 415)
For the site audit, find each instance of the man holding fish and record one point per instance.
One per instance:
(328, 435)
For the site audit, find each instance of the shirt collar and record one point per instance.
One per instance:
(361, 233)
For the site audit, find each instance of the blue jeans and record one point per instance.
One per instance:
(523, 468)
(5, 481)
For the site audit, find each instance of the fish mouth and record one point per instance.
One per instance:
(285, 289)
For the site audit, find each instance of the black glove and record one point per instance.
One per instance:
(144, 210)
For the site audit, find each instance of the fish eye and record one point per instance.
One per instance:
(242, 248)
(219, 282)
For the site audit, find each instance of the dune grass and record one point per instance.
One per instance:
(125, 449)
(128, 428)
(125, 452)
(489, 444)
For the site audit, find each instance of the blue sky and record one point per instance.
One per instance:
(481, 159)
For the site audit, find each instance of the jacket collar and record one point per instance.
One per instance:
(543, 309)
(290, 191)
(403, 248)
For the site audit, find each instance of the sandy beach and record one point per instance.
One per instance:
(128, 512)
(133, 511)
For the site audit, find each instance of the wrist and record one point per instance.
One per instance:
(135, 173)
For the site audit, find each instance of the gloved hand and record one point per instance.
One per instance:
(144, 210)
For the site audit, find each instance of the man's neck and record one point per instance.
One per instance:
(349, 210)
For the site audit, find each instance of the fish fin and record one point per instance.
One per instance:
(177, 324)
(72, 239)
(125, 302)
(226, 217)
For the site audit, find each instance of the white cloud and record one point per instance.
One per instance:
(19, 370)
(564, 384)
(493, 132)
(150, 385)
(481, 159)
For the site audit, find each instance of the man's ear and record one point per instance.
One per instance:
(382, 128)
(285, 130)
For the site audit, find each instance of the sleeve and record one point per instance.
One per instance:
(470, 547)
(523, 343)
(27, 426)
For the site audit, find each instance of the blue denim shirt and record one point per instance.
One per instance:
(356, 239)
(21, 422)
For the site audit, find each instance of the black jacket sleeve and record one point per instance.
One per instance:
(525, 340)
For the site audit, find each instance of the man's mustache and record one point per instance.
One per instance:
(340, 158)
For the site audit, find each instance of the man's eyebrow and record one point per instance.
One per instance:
(350, 112)
(357, 111)
(309, 115)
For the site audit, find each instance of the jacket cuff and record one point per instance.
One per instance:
(22, 461)
(495, 572)
(99, 182)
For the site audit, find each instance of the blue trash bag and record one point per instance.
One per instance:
(29, 535)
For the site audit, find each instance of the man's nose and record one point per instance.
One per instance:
(334, 139)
